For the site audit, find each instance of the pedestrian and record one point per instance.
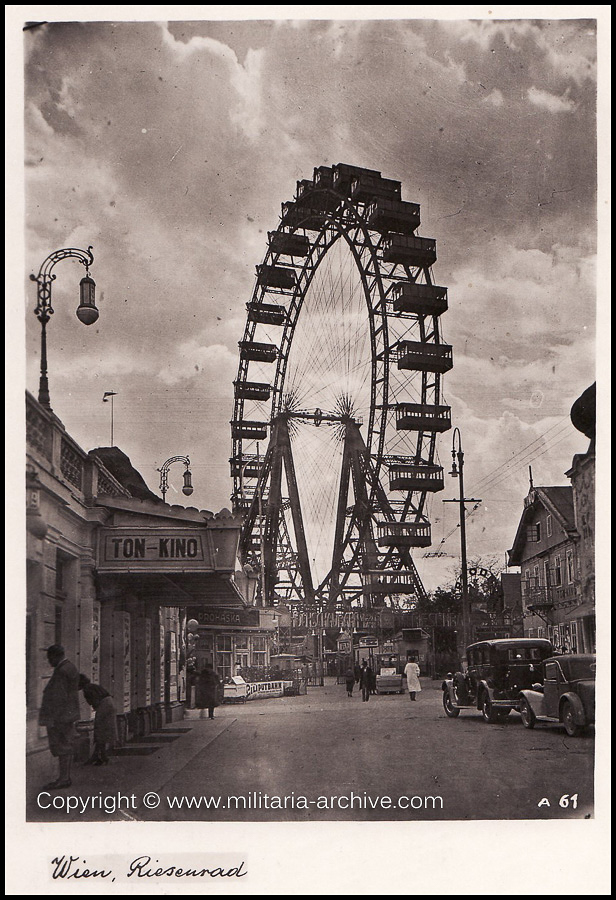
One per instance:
(105, 725)
(207, 692)
(373, 682)
(365, 680)
(357, 670)
(59, 711)
(350, 681)
(412, 672)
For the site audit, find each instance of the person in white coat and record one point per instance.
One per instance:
(412, 671)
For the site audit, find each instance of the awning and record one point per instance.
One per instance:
(174, 589)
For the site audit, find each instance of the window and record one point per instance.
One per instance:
(570, 570)
(558, 575)
(223, 655)
(546, 573)
(574, 637)
(259, 651)
(548, 525)
(541, 631)
(551, 671)
(63, 572)
(538, 532)
(241, 642)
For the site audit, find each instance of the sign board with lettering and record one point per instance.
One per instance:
(368, 641)
(226, 617)
(164, 549)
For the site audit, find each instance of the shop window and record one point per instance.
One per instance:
(224, 656)
(259, 651)
(241, 642)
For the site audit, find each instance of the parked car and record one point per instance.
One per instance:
(388, 681)
(567, 694)
(497, 671)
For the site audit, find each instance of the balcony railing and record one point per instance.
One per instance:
(48, 444)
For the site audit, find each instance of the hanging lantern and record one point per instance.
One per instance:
(87, 311)
(188, 488)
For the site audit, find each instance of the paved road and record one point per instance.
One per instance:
(327, 745)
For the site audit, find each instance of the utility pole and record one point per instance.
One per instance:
(458, 471)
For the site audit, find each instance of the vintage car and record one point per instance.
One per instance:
(389, 681)
(567, 694)
(497, 672)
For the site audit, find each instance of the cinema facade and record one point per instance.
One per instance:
(111, 573)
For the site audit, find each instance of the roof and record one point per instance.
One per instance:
(120, 466)
(561, 498)
(558, 501)
(510, 642)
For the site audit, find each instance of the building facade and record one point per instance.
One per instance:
(555, 549)
(111, 571)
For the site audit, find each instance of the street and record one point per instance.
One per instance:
(325, 756)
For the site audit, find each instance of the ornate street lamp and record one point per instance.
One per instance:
(164, 475)
(86, 311)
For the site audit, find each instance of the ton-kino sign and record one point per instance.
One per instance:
(163, 549)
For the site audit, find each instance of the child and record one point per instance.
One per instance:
(105, 733)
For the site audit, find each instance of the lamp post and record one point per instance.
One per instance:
(458, 471)
(86, 311)
(164, 475)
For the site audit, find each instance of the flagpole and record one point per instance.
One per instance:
(106, 396)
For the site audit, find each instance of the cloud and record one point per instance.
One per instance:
(245, 79)
(456, 112)
(552, 103)
(193, 359)
(495, 98)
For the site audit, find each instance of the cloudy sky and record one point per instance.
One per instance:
(169, 147)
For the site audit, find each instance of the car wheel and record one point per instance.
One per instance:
(487, 710)
(568, 716)
(529, 719)
(450, 710)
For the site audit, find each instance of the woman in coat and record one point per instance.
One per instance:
(350, 681)
(411, 670)
(207, 692)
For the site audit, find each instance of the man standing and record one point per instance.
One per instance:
(411, 670)
(365, 680)
(59, 712)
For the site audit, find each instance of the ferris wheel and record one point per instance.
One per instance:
(338, 397)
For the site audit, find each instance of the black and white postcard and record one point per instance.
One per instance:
(309, 308)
